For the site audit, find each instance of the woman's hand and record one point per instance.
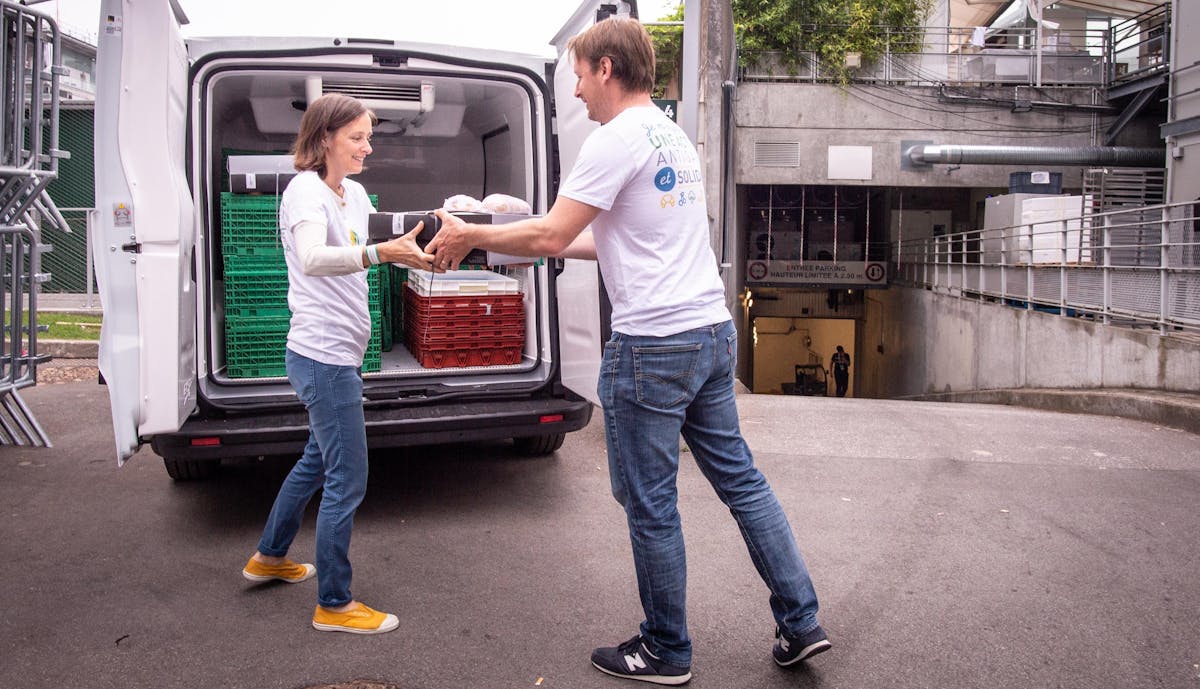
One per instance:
(404, 250)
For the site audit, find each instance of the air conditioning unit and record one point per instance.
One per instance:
(403, 104)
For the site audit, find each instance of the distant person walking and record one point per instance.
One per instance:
(840, 363)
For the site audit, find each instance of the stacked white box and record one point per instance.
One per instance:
(461, 282)
(1027, 229)
(1050, 225)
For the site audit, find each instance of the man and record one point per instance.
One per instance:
(669, 365)
(840, 363)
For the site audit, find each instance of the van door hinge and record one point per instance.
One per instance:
(132, 247)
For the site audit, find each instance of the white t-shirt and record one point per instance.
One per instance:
(330, 320)
(643, 173)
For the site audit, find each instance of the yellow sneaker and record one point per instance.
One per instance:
(291, 572)
(357, 620)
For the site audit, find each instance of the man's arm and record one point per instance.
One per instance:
(554, 234)
(583, 247)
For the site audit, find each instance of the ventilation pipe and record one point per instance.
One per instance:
(923, 155)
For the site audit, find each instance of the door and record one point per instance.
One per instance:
(142, 228)
(579, 317)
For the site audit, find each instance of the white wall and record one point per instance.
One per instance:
(935, 343)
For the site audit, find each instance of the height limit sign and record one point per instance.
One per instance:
(670, 107)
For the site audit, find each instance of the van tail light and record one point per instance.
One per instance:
(205, 442)
(550, 418)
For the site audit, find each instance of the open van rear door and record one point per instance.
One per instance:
(579, 316)
(142, 228)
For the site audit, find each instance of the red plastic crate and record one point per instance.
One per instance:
(418, 338)
(464, 330)
(473, 354)
(508, 330)
(465, 306)
(425, 324)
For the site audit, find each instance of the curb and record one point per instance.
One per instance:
(69, 349)
(1162, 407)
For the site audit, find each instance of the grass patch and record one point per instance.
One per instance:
(63, 326)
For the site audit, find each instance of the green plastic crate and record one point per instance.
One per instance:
(250, 225)
(385, 307)
(234, 263)
(373, 356)
(254, 347)
(256, 284)
(256, 291)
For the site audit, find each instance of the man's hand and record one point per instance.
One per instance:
(451, 244)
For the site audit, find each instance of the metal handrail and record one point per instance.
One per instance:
(940, 55)
(1141, 40)
(1137, 266)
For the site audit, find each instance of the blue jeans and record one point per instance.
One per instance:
(335, 459)
(653, 389)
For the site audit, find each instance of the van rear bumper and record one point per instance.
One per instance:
(275, 433)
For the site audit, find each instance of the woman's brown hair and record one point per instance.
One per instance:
(324, 116)
(626, 44)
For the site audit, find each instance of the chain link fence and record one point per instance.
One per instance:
(74, 191)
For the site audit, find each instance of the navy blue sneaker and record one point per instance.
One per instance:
(633, 660)
(789, 650)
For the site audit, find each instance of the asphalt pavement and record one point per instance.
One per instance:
(952, 545)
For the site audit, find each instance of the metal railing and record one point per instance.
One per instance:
(934, 55)
(19, 256)
(1134, 267)
(31, 62)
(1139, 45)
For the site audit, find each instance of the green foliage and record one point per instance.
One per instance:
(829, 28)
(668, 51)
(62, 326)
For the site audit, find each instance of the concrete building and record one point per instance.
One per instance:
(78, 81)
(1182, 128)
(819, 189)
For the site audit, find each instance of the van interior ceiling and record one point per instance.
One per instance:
(438, 136)
(475, 139)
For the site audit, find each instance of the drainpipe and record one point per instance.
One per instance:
(923, 155)
(729, 190)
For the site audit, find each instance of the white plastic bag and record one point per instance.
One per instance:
(503, 203)
(462, 202)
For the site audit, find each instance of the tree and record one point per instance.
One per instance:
(828, 28)
(668, 52)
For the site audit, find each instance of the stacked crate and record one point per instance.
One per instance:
(463, 318)
(257, 317)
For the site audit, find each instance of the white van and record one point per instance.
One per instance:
(170, 112)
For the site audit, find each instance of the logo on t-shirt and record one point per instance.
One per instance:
(665, 179)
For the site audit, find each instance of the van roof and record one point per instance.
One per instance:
(199, 47)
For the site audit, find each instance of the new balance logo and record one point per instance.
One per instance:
(783, 644)
(635, 662)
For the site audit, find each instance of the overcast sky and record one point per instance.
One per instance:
(515, 25)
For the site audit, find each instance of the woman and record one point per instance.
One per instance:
(323, 220)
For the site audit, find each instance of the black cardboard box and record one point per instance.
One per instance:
(260, 182)
(384, 226)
